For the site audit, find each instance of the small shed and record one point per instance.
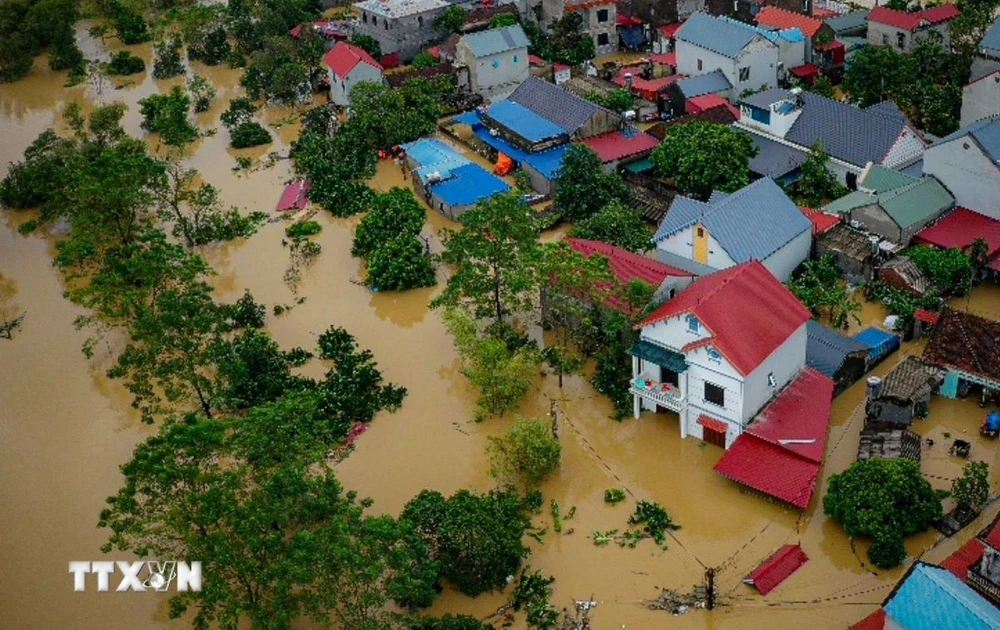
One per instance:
(889, 444)
(880, 343)
(835, 355)
(777, 568)
(855, 251)
(906, 392)
(902, 273)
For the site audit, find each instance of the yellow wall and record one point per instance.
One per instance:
(700, 244)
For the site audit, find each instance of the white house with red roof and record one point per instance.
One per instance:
(902, 29)
(347, 66)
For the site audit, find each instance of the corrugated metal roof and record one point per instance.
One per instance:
(826, 349)
(848, 21)
(850, 201)
(764, 100)
(788, 34)
(524, 122)
(985, 132)
(931, 598)
(777, 568)
(751, 223)
(616, 145)
(881, 179)
(780, 18)
(770, 469)
(856, 136)
(960, 228)
(917, 203)
(554, 104)
(800, 411)
(882, 343)
(719, 36)
(708, 83)
(496, 40)
(774, 159)
(992, 38)
(914, 170)
(468, 185)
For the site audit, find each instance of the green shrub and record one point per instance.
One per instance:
(399, 264)
(302, 229)
(124, 63)
(614, 495)
(249, 134)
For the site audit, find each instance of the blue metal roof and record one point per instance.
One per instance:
(708, 83)
(751, 223)
(434, 158)
(992, 37)
(882, 343)
(546, 162)
(985, 132)
(793, 34)
(468, 185)
(931, 598)
(826, 348)
(719, 36)
(524, 122)
(496, 40)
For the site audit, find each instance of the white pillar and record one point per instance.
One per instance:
(635, 397)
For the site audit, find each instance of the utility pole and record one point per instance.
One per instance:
(710, 596)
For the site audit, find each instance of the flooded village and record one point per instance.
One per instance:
(756, 375)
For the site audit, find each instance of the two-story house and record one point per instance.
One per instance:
(599, 20)
(758, 222)
(967, 162)
(497, 60)
(987, 58)
(746, 58)
(902, 30)
(347, 66)
(402, 28)
(853, 137)
(823, 52)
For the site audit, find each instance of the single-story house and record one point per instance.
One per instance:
(578, 117)
(967, 347)
(757, 222)
(348, 65)
(902, 29)
(856, 252)
(906, 392)
(977, 562)
(617, 148)
(893, 205)
(902, 273)
(880, 342)
(967, 162)
(684, 89)
(448, 181)
(834, 355)
(889, 444)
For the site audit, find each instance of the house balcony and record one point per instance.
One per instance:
(663, 394)
(987, 587)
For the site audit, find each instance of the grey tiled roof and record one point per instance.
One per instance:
(992, 37)
(496, 40)
(775, 159)
(708, 83)
(985, 132)
(554, 104)
(764, 100)
(719, 36)
(751, 223)
(848, 21)
(856, 136)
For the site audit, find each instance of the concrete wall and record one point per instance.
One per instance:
(874, 219)
(784, 261)
(885, 35)
(981, 99)
(680, 246)
(598, 28)
(406, 35)
(340, 88)
(493, 73)
(967, 173)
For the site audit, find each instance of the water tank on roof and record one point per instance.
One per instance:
(874, 387)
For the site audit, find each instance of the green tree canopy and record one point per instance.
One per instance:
(819, 287)
(570, 42)
(399, 264)
(950, 270)
(527, 453)
(167, 115)
(616, 224)
(972, 489)
(884, 499)
(386, 118)
(369, 44)
(817, 185)
(451, 20)
(392, 214)
(582, 186)
(501, 20)
(702, 156)
(167, 58)
(424, 59)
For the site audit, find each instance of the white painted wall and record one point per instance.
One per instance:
(784, 261)
(681, 244)
(511, 69)
(981, 99)
(784, 363)
(688, 55)
(760, 56)
(340, 88)
(967, 173)
(907, 148)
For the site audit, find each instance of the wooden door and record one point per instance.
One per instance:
(716, 438)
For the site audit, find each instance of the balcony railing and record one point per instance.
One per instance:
(663, 394)
(983, 584)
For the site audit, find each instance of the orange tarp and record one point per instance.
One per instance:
(504, 164)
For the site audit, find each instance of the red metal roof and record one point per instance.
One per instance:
(701, 103)
(670, 30)
(343, 58)
(579, 6)
(295, 196)
(874, 621)
(960, 228)
(806, 70)
(647, 89)
(822, 222)
(910, 21)
(801, 411)
(712, 424)
(667, 59)
(627, 20)
(770, 469)
(535, 60)
(959, 562)
(780, 18)
(777, 568)
(822, 13)
(926, 316)
(616, 145)
(992, 537)
(627, 266)
(766, 316)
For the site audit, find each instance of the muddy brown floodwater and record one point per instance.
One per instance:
(65, 429)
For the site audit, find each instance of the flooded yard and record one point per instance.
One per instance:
(65, 428)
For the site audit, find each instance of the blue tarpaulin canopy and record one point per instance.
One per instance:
(524, 122)
(546, 162)
(882, 343)
(632, 36)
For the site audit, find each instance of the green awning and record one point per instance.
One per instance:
(639, 166)
(660, 356)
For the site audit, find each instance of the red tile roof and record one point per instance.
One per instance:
(344, 57)
(627, 266)
(822, 13)
(780, 18)
(616, 145)
(762, 457)
(800, 412)
(670, 30)
(874, 621)
(777, 568)
(960, 228)
(766, 317)
(295, 196)
(910, 21)
(822, 222)
(712, 424)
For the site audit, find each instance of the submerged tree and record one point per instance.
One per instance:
(167, 115)
(972, 489)
(821, 290)
(615, 224)
(703, 156)
(527, 453)
(167, 58)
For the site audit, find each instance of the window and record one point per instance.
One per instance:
(693, 324)
(374, 20)
(602, 39)
(715, 394)
(602, 15)
(770, 380)
(713, 355)
(515, 58)
(900, 40)
(699, 65)
(885, 39)
(385, 23)
(744, 74)
(701, 232)
(364, 18)
(496, 63)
